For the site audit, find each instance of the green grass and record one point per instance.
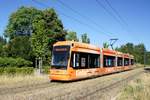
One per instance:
(139, 89)
(21, 80)
(16, 71)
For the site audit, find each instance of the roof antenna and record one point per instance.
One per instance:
(112, 42)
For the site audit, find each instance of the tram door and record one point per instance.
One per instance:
(85, 64)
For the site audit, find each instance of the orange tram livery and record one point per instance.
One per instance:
(74, 60)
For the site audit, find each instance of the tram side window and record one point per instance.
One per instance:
(132, 62)
(84, 60)
(109, 61)
(126, 62)
(94, 60)
(119, 61)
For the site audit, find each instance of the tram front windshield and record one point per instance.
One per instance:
(60, 57)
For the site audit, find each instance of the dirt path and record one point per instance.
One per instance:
(73, 90)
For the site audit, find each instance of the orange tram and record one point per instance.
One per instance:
(74, 60)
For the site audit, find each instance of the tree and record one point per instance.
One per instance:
(39, 40)
(42, 27)
(105, 45)
(136, 50)
(139, 53)
(2, 44)
(71, 36)
(2, 41)
(19, 30)
(127, 48)
(147, 58)
(85, 38)
(54, 27)
(20, 22)
(47, 29)
(20, 46)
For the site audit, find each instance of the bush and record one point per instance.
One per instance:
(1, 70)
(19, 62)
(10, 70)
(17, 71)
(25, 70)
(46, 69)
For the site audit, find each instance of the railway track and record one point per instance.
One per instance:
(72, 90)
(14, 90)
(89, 92)
(110, 86)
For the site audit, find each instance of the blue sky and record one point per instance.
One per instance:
(135, 13)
